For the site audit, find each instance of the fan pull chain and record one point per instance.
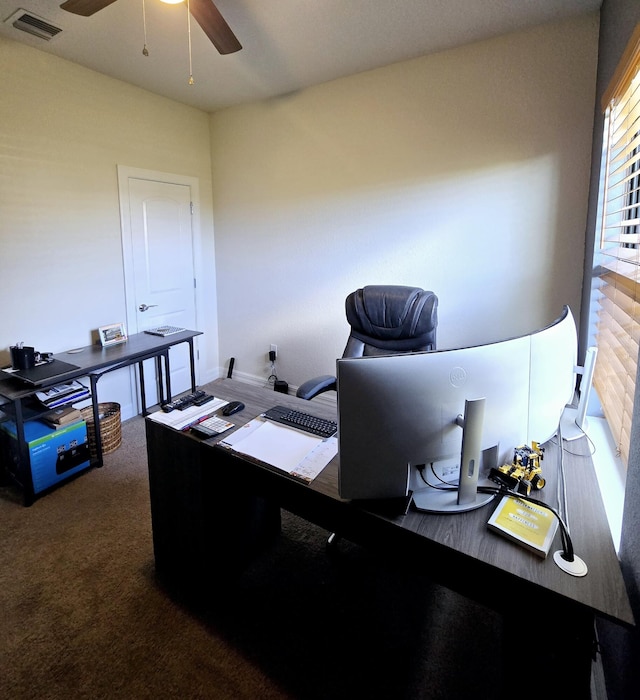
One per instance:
(145, 51)
(189, 33)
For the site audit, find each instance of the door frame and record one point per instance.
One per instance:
(125, 173)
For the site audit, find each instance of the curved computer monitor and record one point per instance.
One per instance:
(400, 413)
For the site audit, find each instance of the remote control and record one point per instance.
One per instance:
(185, 401)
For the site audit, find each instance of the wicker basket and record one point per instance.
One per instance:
(110, 428)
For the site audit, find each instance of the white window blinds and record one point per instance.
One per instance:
(617, 255)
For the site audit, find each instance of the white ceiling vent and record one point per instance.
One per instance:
(28, 22)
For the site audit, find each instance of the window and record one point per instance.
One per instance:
(617, 254)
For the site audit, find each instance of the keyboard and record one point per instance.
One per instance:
(164, 330)
(303, 421)
(210, 427)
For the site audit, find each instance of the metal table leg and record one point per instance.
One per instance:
(96, 417)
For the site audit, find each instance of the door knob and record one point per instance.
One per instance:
(144, 307)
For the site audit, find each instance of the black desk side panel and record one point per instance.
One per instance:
(201, 544)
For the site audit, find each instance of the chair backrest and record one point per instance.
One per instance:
(391, 319)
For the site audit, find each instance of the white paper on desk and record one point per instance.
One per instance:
(293, 451)
(179, 419)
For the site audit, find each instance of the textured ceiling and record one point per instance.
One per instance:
(287, 44)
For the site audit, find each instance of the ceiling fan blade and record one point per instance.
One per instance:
(86, 8)
(205, 13)
(213, 24)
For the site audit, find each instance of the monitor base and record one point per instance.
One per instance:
(569, 427)
(432, 500)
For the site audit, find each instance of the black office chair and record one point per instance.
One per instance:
(384, 320)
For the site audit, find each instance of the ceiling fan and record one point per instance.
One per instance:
(204, 12)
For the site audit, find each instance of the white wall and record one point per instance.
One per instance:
(464, 172)
(63, 131)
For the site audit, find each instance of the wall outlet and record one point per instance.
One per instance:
(273, 349)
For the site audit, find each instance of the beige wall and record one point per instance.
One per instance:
(464, 172)
(63, 131)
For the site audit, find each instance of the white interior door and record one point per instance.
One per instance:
(160, 275)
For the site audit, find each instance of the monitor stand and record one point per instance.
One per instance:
(466, 496)
(574, 421)
(435, 501)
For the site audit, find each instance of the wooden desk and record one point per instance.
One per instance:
(93, 361)
(211, 506)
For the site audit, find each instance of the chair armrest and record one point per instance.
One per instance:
(317, 385)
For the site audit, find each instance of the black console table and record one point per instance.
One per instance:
(93, 361)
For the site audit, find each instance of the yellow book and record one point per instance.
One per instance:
(528, 524)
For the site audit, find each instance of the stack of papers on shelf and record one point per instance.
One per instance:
(530, 525)
(292, 451)
(62, 394)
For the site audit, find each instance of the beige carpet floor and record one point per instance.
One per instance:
(82, 615)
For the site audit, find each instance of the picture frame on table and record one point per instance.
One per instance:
(112, 334)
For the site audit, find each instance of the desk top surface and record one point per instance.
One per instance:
(93, 358)
(461, 539)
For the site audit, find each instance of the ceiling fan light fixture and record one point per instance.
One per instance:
(204, 12)
(171, 2)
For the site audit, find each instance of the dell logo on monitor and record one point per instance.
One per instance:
(457, 377)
